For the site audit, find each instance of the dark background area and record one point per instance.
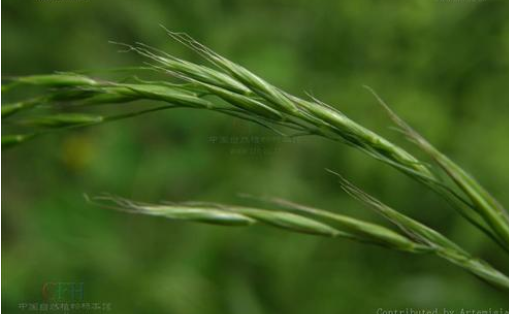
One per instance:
(442, 65)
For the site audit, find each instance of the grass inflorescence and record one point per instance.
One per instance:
(231, 89)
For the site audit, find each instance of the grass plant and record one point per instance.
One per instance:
(67, 98)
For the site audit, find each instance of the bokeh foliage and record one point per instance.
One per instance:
(443, 66)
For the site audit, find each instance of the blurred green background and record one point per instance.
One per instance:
(442, 65)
